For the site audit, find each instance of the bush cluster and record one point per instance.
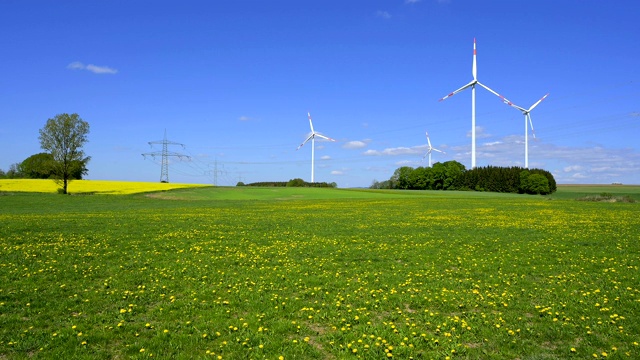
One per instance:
(452, 175)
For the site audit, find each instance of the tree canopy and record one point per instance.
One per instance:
(40, 166)
(63, 136)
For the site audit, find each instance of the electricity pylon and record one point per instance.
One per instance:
(164, 172)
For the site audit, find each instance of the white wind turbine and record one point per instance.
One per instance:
(430, 149)
(472, 85)
(527, 118)
(312, 137)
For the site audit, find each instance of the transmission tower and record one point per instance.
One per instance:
(164, 172)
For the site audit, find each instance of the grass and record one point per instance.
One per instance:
(582, 191)
(317, 273)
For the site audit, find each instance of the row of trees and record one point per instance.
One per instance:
(291, 183)
(62, 137)
(452, 175)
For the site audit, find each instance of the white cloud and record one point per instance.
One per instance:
(572, 168)
(383, 14)
(480, 133)
(337, 172)
(411, 1)
(405, 163)
(244, 118)
(356, 144)
(76, 65)
(325, 157)
(101, 69)
(393, 151)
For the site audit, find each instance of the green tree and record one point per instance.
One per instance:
(534, 183)
(37, 166)
(297, 182)
(453, 170)
(538, 184)
(418, 178)
(14, 172)
(400, 177)
(63, 137)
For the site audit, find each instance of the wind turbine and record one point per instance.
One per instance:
(430, 149)
(527, 118)
(472, 85)
(312, 137)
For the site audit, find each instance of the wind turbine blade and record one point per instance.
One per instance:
(504, 99)
(310, 123)
(474, 70)
(531, 123)
(324, 137)
(440, 151)
(537, 103)
(428, 140)
(304, 142)
(457, 91)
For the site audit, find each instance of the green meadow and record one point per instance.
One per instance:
(266, 273)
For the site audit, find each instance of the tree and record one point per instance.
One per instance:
(400, 177)
(14, 172)
(297, 182)
(453, 170)
(37, 166)
(63, 137)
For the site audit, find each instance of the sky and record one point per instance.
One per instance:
(231, 84)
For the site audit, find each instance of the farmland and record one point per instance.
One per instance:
(318, 273)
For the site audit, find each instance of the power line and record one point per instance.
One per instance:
(164, 172)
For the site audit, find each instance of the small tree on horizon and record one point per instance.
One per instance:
(63, 137)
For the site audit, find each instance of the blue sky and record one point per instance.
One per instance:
(233, 81)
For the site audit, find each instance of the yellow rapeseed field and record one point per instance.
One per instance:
(89, 186)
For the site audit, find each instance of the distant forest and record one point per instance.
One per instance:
(291, 183)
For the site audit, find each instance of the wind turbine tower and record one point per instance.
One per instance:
(312, 137)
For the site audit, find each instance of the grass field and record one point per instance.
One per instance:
(318, 274)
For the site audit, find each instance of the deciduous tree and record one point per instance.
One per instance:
(63, 136)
